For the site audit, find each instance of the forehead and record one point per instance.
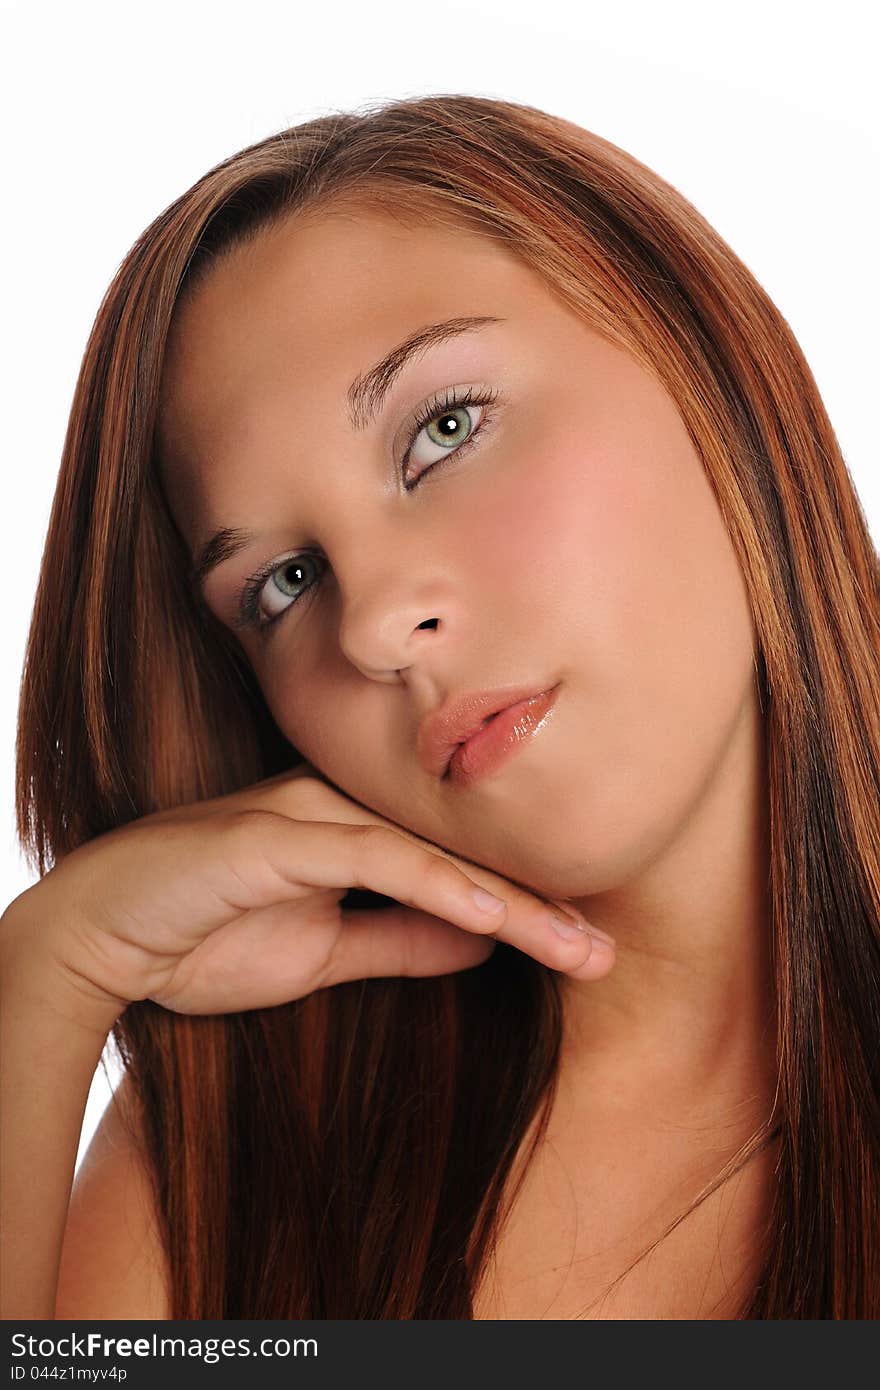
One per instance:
(327, 291)
(312, 302)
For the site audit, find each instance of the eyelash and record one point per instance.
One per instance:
(439, 405)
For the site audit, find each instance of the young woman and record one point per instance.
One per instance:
(446, 507)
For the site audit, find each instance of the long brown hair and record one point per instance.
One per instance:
(346, 1155)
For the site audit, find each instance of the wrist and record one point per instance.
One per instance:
(35, 967)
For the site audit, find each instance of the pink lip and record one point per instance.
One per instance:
(495, 742)
(458, 718)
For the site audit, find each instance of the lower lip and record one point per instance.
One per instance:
(492, 745)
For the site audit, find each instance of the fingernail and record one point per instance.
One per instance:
(601, 935)
(567, 927)
(487, 901)
(602, 943)
(595, 932)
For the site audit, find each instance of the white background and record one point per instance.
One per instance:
(763, 114)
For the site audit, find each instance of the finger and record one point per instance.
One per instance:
(332, 855)
(401, 942)
(313, 798)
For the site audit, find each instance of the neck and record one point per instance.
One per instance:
(688, 1011)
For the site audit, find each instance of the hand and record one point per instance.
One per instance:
(234, 903)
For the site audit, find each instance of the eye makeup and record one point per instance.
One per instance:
(443, 404)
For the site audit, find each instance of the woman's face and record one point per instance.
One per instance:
(567, 536)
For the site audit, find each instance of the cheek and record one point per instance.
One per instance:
(310, 715)
(678, 632)
(656, 617)
(609, 567)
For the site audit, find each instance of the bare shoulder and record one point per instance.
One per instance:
(112, 1261)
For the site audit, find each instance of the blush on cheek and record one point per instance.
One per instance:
(579, 533)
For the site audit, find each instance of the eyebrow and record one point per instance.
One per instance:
(364, 398)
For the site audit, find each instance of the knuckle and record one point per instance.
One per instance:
(373, 839)
(437, 870)
(247, 821)
(367, 841)
(299, 795)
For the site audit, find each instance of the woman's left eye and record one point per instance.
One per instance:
(448, 426)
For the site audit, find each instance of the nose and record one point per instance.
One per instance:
(394, 614)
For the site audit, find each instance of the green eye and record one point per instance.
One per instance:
(286, 576)
(453, 423)
(448, 425)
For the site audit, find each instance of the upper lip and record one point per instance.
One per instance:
(445, 728)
